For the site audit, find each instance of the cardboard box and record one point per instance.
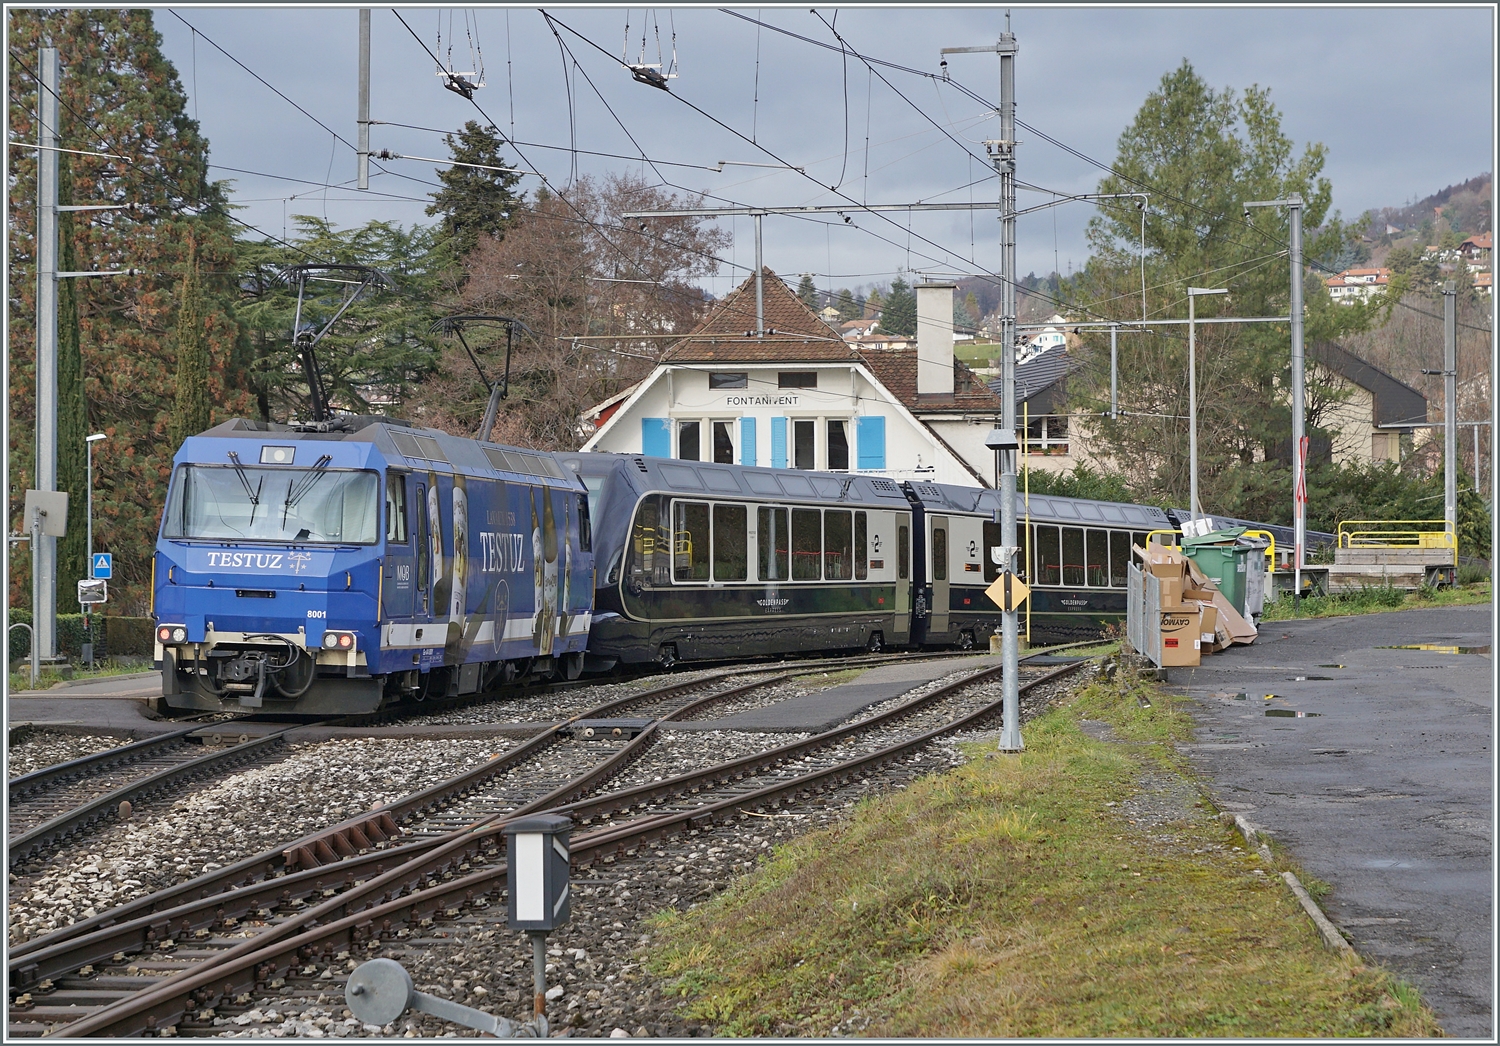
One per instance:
(1208, 627)
(1171, 592)
(1163, 561)
(1181, 637)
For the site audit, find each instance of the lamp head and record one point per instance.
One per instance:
(95, 438)
(1002, 439)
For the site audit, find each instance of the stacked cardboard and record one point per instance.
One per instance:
(1195, 616)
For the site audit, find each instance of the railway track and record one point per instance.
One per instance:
(262, 924)
(48, 807)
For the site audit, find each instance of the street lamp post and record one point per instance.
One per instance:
(89, 442)
(1194, 508)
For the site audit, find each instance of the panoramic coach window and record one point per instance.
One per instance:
(1073, 572)
(690, 541)
(797, 379)
(731, 549)
(687, 441)
(643, 538)
(1048, 556)
(395, 508)
(771, 524)
(838, 545)
(727, 380)
(1097, 561)
(861, 549)
(903, 551)
(807, 544)
(1119, 558)
(939, 554)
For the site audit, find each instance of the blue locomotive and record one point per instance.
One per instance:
(350, 564)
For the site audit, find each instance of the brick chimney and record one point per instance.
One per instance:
(935, 339)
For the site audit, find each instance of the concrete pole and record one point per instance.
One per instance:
(364, 99)
(1114, 371)
(1450, 407)
(1005, 165)
(760, 291)
(1299, 460)
(1192, 408)
(44, 547)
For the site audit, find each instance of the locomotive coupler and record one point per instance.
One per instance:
(249, 666)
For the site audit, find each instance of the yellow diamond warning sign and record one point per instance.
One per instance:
(1008, 592)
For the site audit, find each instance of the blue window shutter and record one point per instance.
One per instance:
(747, 441)
(871, 435)
(778, 443)
(656, 437)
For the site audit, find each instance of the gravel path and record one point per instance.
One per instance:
(43, 748)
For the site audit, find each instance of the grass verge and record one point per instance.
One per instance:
(1378, 600)
(21, 680)
(1079, 889)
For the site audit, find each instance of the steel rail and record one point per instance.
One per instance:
(259, 959)
(76, 820)
(27, 785)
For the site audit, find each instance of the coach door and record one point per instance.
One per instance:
(938, 624)
(423, 565)
(398, 588)
(902, 628)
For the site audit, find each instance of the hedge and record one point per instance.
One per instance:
(113, 636)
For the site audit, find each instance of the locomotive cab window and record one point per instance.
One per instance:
(585, 527)
(317, 505)
(395, 508)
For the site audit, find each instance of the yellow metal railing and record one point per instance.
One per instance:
(1398, 533)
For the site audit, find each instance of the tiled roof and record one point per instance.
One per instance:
(1039, 373)
(1484, 240)
(897, 371)
(794, 333)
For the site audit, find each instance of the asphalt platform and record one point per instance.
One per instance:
(828, 708)
(1374, 765)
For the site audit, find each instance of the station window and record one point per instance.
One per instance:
(838, 446)
(803, 434)
(728, 380)
(774, 543)
(687, 441)
(723, 443)
(797, 379)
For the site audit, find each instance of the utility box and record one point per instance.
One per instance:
(539, 867)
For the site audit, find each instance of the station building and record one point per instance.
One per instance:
(797, 395)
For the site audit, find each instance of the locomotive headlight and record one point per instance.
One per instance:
(171, 634)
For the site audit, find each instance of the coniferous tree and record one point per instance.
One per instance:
(844, 302)
(899, 317)
(72, 407)
(808, 292)
(121, 97)
(192, 411)
(475, 200)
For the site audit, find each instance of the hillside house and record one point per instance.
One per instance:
(797, 395)
(1476, 250)
(1354, 285)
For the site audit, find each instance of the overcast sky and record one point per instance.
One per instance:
(1404, 99)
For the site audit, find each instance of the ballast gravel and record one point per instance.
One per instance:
(598, 988)
(231, 819)
(43, 748)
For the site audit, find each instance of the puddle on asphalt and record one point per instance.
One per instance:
(1303, 679)
(1436, 648)
(1330, 666)
(1288, 713)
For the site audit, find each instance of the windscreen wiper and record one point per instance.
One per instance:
(294, 495)
(253, 495)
